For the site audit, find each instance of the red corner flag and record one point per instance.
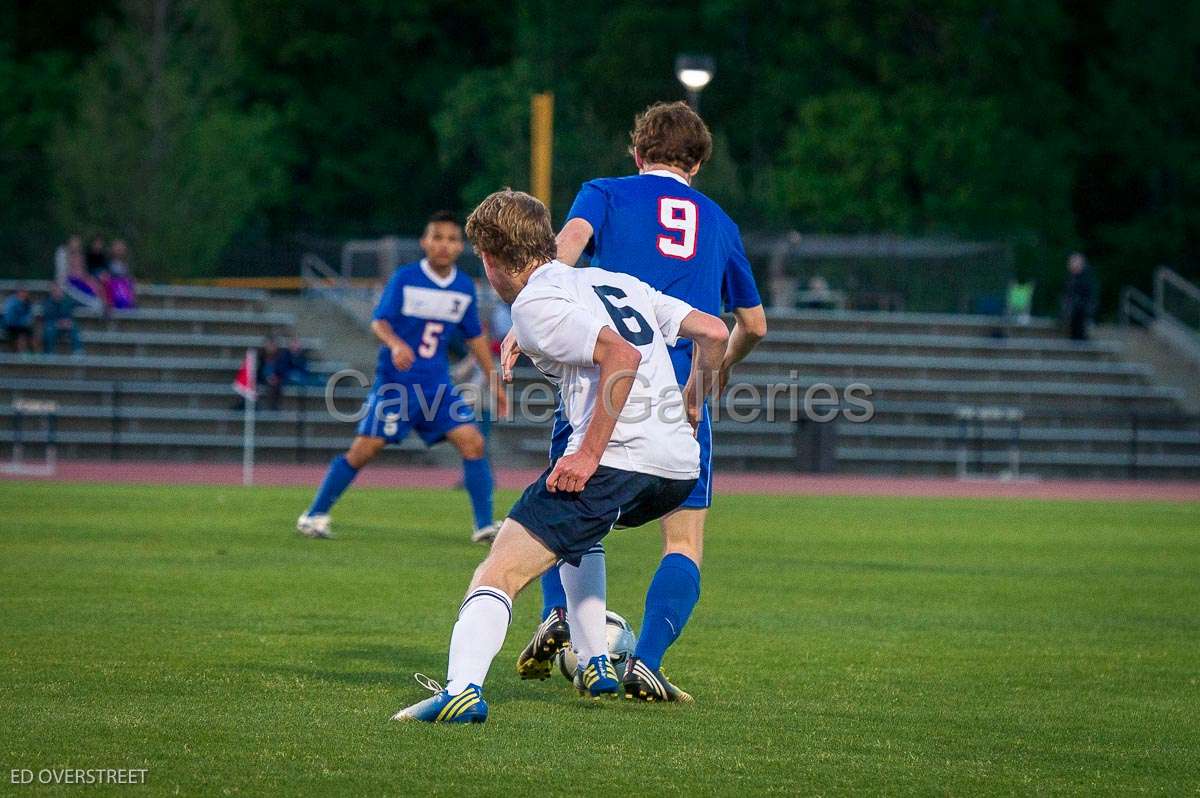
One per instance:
(246, 382)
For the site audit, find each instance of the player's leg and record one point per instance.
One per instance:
(675, 588)
(342, 471)
(516, 558)
(586, 587)
(553, 632)
(477, 478)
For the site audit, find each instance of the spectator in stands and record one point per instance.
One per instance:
(58, 318)
(81, 286)
(97, 258)
(499, 315)
(818, 296)
(272, 371)
(1079, 296)
(18, 321)
(294, 364)
(62, 258)
(120, 291)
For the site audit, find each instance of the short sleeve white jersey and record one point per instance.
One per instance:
(558, 317)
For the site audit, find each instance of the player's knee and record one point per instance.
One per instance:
(471, 445)
(363, 451)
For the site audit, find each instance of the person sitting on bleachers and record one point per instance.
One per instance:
(293, 365)
(62, 258)
(58, 318)
(118, 282)
(18, 321)
(272, 371)
(81, 286)
(96, 259)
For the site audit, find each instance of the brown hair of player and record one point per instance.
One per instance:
(671, 134)
(513, 228)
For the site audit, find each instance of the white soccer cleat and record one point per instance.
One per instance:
(314, 526)
(486, 534)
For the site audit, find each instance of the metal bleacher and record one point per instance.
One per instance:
(155, 383)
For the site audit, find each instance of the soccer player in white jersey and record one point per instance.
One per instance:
(632, 456)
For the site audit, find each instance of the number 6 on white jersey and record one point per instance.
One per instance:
(680, 216)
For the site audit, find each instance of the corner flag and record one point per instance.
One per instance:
(246, 385)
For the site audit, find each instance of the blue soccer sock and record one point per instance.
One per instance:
(477, 479)
(337, 479)
(553, 593)
(672, 595)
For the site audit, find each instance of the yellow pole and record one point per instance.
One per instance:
(541, 144)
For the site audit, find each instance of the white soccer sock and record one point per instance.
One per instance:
(586, 588)
(478, 635)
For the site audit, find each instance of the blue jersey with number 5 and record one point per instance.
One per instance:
(424, 309)
(659, 229)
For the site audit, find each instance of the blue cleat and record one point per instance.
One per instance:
(466, 707)
(598, 679)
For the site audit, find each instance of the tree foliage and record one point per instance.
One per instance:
(1052, 125)
(159, 152)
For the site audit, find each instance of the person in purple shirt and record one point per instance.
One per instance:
(655, 226)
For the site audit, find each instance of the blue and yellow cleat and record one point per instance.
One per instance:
(466, 707)
(598, 679)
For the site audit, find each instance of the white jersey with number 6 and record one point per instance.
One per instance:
(557, 318)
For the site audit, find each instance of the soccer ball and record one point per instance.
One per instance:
(621, 643)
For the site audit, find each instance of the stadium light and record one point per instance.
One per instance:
(694, 72)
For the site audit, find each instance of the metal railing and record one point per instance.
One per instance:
(324, 282)
(1173, 315)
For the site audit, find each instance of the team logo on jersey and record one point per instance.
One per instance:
(391, 424)
(435, 303)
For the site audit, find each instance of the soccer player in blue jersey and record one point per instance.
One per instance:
(658, 228)
(423, 303)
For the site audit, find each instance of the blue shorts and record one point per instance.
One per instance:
(701, 496)
(571, 523)
(432, 410)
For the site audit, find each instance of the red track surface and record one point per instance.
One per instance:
(158, 473)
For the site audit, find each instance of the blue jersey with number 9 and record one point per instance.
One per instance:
(659, 229)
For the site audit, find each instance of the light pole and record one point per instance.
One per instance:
(694, 72)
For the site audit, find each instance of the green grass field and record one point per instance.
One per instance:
(841, 646)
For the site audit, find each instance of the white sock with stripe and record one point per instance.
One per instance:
(478, 636)
(587, 599)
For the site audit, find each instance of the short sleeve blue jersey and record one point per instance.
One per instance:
(664, 232)
(424, 309)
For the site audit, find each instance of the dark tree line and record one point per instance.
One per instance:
(184, 125)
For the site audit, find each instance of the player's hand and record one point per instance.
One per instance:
(571, 472)
(501, 401)
(509, 353)
(693, 405)
(402, 356)
(723, 378)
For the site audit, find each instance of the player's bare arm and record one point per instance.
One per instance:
(402, 354)
(750, 327)
(709, 338)
(572, 240)
(480, 348)
(618, 362)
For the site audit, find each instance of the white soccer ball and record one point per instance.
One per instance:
(621, 644)
(621, 640)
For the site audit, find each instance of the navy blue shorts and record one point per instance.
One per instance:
(571, 523)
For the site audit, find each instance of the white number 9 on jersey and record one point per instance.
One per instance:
(679, 216)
